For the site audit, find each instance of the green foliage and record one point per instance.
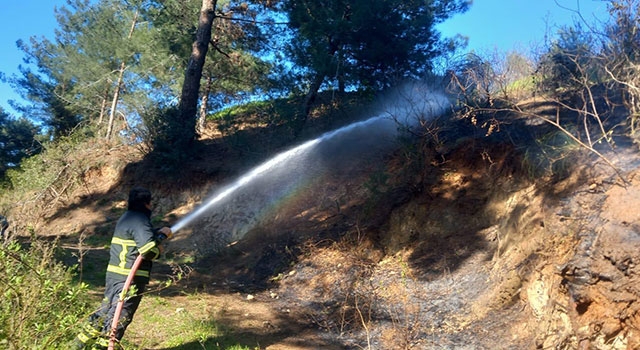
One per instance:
(481, 81)
(59, 167)
(190, 329)
(40, 304)
(582, 61)
(17, 141)
(377, 184)
(34, 174)
(569, 64)
(234, 112)
(520, 87)
(621, 56)
(104, 50)
(623, 32)
(46, 91)
(266, 113)
(553, 154)
(368, 43)
(515, 77)
(166, 134)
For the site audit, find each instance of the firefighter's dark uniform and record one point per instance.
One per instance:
(4, 224)
(133, 235)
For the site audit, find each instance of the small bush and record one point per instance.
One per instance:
(58, 168)
(40, 304)
(553, 155)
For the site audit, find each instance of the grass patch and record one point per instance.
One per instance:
(181, 322)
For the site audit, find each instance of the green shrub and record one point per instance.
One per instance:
(55, 172)
(552, 155)
(40, 304)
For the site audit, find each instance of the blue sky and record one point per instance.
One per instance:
(489, 24)
(21, 19)
(518, 24)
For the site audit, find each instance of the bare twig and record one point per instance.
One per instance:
(578, 141)
(362, 320)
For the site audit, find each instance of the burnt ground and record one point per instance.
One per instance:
(473, 240)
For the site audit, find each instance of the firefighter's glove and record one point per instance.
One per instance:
(164, 234)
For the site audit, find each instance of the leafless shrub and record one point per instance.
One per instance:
(586, 72)
(494, 78)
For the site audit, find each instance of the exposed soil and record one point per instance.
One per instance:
(474, 250)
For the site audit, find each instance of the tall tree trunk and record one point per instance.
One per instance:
(116, 93)
(334, 45)
(103, 106)
(188, 107)
(114, 102)
(203, 105)
(311, 97)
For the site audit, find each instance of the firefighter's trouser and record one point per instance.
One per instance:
(95, 334)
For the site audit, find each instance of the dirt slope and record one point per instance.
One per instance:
(472, 264)
(468, 248)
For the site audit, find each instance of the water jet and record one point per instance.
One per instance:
(233, 210)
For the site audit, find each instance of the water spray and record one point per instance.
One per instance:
(384, 124)
(414, 105)
(241, 182)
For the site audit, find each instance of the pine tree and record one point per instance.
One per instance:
(366, 44)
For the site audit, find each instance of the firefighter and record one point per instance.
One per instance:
(4, 224)
(132, 236)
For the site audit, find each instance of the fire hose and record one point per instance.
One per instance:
(125, 289)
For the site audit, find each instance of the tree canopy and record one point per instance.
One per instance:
(114, 61)
(366, 44)
(17, 140)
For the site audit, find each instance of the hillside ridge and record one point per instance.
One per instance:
(464, 239)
